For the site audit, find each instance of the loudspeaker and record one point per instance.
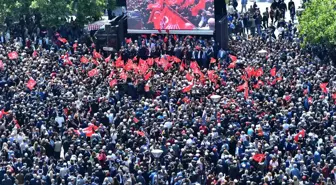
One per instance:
(221, 33)
(220, 9)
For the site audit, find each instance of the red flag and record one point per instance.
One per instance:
(88, 131)
(155, 18)
(194, 65)
(93, 72)
(146, 88)
(108, 59)
(323, 87)
(232, 65)
(75, 45)
(2, 113)
(113, 82)
(96, 55)
(128, 41)
(188, 88)
(173, 21)
(135, 120)
(250, 71)
(34, 54)
(242, 87)
(174, 2)
(246, 92)
(144, 36)
(156, 6)
(258, 72)
(123, 75)
(189, 77)
(175, 37)
(129, 65)
(181, 68)
(150, 61)
(31, 83)
(188, 3)
(84, 60)
(177, 60)
(212, 76)
(148, 75)
(2, 66)
(16, 122)
(310, 100)
(67, 62)
(13, 55)
(233, 58)
(119, 63)
(334, 96)
(302, 133)
(198, 7)
(273, 71)
(258, 157)
(141, 133)
(63, 40)
(95, 61)
(213, 60)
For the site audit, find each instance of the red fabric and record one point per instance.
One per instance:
(156, 6)
(233, 58)
(302, 133)
(194, 65)
(93, 72)
(84, 60)
(108, 59)
(175, 37)
(123, 75)
(113, 82)
(141, 133)
(259, 157)
(135, 120)
(148, 75)
(146, 88)
(177, 60)
(129, 65)
(246, 92)
(258, 72)
(88, 130)
(63, 40)
(188, 3)
(310, 100)
(334, 96)
(31, 83)
(213, 60)
(232, 65)
(96, 55)
(13, 55)
(34, 54)
(119, 63)
(323, 87)
(170, 19)
(273, 71)
(188, 88)
(212, 76)
(150, 61)
(2, 113)
(128, 40)
(250, 71)
(198, 7)
(174, 2)
(1, 65)
(242, 87)
(189, 77)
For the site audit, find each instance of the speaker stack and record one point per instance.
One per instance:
(221, 26)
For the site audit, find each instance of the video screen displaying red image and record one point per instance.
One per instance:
(170, 14)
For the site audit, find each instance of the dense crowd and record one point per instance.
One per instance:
(261, 113)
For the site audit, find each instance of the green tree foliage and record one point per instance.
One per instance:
(55, 12)
(317, 24)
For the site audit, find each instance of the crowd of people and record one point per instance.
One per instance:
(261, 113)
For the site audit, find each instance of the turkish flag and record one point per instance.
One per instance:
(88, 131)
(273, 71)
(189, 77)
(232, 65)
(129, 65)
(135, 120)
(113, 82)
(177, 60)
(198, 7)
(156, 6)
(13, 55)
(212, 76)
(213, 60)
(194, 65)
(302, 133)
(2, 113)
(128, 41)
(31, 83)
(250, 71)
(233, 58)
(93, 72)
(188, 88)
(123, 75)
(242, 87)
(258, 157)
(96, 54)
(63, 40)
(188, 3)
(155, 18)
(119, 63)
(258, 72)
(108, 59)
(173, 2)
(323, 87)
(172, 20)
(140, 133)
(150, 61)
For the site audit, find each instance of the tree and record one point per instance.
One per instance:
(53, 12)
(317, 24)
(91, 10)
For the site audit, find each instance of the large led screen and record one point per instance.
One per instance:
(175, 16)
